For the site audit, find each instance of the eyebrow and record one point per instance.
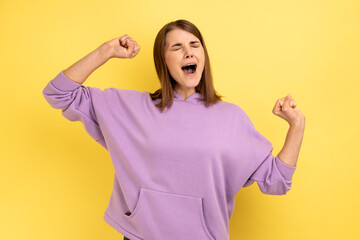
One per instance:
(179, 44)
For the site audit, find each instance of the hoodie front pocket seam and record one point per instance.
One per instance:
(160, 214)
(137, 206)
(203, 220)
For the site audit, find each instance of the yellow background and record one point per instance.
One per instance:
(56, 181)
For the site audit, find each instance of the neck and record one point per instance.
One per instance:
(185, 93)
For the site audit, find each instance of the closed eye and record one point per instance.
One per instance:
(193, 46)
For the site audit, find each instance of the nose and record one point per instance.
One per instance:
(189, 53)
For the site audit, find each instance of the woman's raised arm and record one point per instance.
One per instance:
(77, 101)
(121, 47)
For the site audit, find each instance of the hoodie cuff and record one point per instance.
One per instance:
(64, 83)
(286, 170)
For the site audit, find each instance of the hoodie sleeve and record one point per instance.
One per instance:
(76, 102)
(273, 176)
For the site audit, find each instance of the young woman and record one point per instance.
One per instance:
(180, 154)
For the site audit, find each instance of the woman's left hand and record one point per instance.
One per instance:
(286, 109)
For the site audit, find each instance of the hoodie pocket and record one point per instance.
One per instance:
(161, 215)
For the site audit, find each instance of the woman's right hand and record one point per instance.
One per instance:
(123, 47)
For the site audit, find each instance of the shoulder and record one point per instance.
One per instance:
(113, 93)
(233, 108)
(236, 112)
(123, 91)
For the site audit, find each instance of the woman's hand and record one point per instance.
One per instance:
(286, 109)
(123, 47)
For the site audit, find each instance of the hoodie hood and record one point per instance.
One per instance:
(195, 97)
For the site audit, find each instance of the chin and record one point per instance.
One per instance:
(193, 83)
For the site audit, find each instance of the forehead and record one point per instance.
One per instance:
(179, 35)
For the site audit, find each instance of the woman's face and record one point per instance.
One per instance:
(181, 49)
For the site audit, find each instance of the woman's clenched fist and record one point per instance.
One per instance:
(286, 109)
(123, 47)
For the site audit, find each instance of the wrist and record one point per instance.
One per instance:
(298, 125)
(105, 51)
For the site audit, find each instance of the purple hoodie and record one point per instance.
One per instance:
(176, 173)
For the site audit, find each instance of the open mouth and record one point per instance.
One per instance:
(191, 68)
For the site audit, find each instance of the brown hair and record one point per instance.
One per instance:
(165, 93)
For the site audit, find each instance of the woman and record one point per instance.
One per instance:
(180, 154)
